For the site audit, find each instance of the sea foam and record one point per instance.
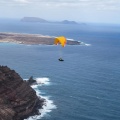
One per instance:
(43, 81)
(48, 104)
(88, 44)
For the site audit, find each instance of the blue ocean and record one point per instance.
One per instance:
(86, 86)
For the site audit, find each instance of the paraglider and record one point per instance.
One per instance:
(62, 41)
(60, 59)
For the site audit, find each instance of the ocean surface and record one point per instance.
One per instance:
(86, 86)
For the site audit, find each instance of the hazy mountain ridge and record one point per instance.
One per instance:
(37, 19)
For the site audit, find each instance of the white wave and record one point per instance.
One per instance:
(84, 44)
(34, 86)
(41, 81)
(44, 80)
(47, 107)
(88, 44)
(70, 39)
(48, 104)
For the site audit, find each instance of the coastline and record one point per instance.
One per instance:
(48, 105)
(31, 39)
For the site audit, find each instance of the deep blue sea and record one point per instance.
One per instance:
(86, 86)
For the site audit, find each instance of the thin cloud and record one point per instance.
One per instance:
(92, 4)
(99, 4)
(22, 1)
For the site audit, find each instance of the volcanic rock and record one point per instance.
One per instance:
(17, 99)
(31, 81)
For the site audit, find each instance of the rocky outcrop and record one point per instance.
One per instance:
(31, 81)
(17, 99)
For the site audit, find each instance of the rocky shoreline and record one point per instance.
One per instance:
(17, 99)
(31, 39)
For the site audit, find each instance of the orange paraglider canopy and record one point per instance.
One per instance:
(60, 40)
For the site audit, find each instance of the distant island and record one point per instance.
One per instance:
(40, 20)
(31, 39)
(33, 19)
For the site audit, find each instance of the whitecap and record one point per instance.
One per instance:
(88, 44)
(84, 44)
(34, 86)
(44, 80)
(47, 107)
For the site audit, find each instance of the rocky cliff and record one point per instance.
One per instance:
(17, 99)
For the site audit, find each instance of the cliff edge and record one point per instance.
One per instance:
(17, 99)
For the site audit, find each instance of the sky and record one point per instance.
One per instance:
(95, 11)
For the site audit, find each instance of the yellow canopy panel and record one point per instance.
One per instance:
(60, 40)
